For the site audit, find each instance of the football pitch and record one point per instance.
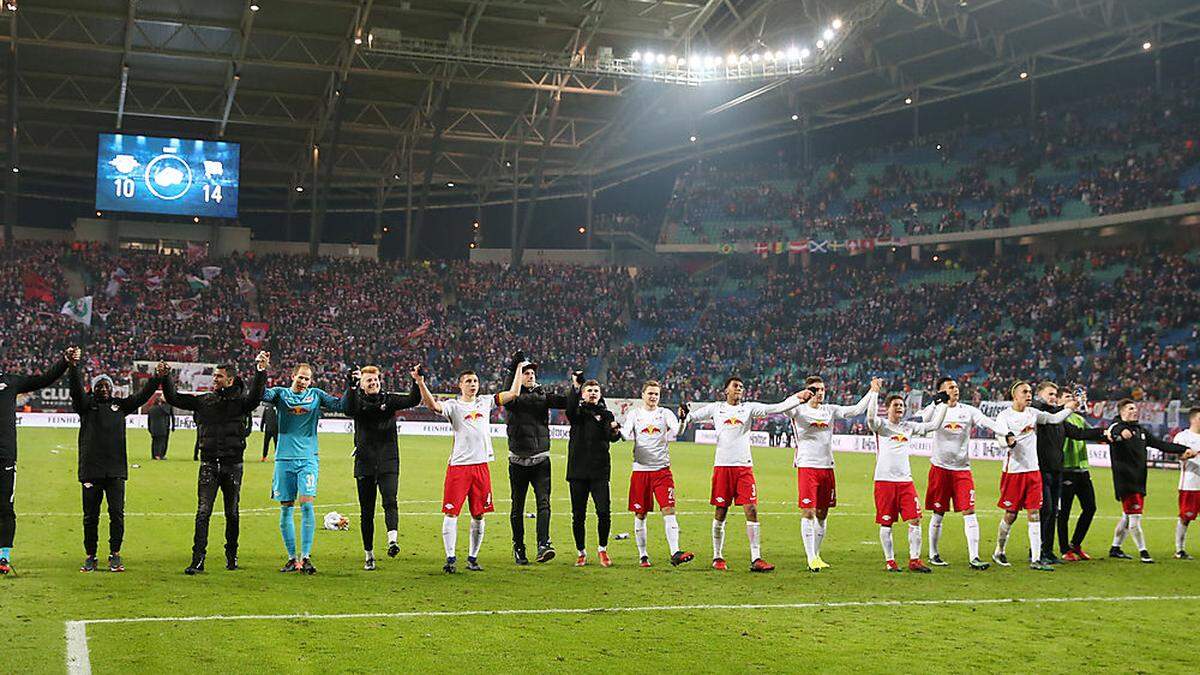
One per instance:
(1103, 615)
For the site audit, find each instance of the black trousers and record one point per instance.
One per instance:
(213, 476)
(1051, 494)
(597, 489)
(520, 478)
(8, 517)
(96, 492)
(158, 446)
(267, 438)
(386, 484)
(1076, 485)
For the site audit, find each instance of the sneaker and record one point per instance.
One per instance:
(937, 561)
(812, 565)
(1082, 554)
(719, 564)
(393, 549)
(451, 566)
(306, 566)
(1039, 566)
(5, 566)
(915, 565)
(114, 563)
(545, 553)
(231, 562)
(263, 459)
(1071, 556)
(680, 557)
(892, 566)
(1051, 559)
(644, 561)
(819, 563)
(473, 565)
(605, 561)
(1116, 552)
(760, 565)
(290, 566)
(196, 567)
(369, 565)
(1001, 559)
(1183, 555)
(89, 564)
(977, 564)
(1144, 556)
(519, 555)
(581, 560)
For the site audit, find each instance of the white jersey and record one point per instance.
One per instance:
(651, 432)
(813, 428)
(472, 429)
(733, 423)
(952, 440)
(1189, 469)
(1023, 457)
(892, 440)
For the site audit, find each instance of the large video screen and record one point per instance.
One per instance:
(176, 176)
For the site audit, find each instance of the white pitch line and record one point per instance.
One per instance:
(78, 660)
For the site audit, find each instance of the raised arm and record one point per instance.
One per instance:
(704, 412)
(1044, 417)
(1165, 446)
(764, 409)
(979, 419)
(403, 401)
(173, 397)
(848, 411)
(927, 425)
(34, 382)
(257, 387)
(329, 402)
(514, 388)
(80, 400)
(426, 398)
(130, 404)
(572, 407)
(872, 409)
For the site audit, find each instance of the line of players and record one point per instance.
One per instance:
(220, 422)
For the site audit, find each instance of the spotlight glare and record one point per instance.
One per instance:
(837, 24)
(299, 188)
(793, 53)
(795, 117)
(828, 34)
(254, 7)
(660, 58)
(756, 57)
(820, 44)
(1146, 46)
(733, 59)
(907, 100)
(1024, 75)
(805, 53)
(449, 184)
(779, 56)
(582, 230)
(672, 59)
(636, 56)
(683, 63)
(744, 59)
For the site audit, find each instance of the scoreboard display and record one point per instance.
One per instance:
(174, 176)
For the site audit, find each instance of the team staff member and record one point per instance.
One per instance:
(11, 385)
(160, 422)
(103, 463)
(220, 417)
(589, 465)
(528, 427)
(1076, 484)
(270, 428)
(1050, 439)
(376, 452)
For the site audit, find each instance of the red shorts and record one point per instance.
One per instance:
(894, 500)
(646, 487)
(817, 488)
(1021, 491)
(472, 481)
(948, 486)
(733, 485)
(1133, 503)
(1189, 505)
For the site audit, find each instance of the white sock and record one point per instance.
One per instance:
(718, 537)
(752, 533)
(639, 535)
(885, 538)
(1180, 535)
(1121, 531)
(820, 536)
(671, 525)
(369, 555)
(914, 541)
(601, 549)
(582, 553)
(1035, 540)
(808, 532)
(971, 527)
(393, 536)
(449, 534)
(1002, 535)
(1135, 531)
(935, 533)
(476, 537)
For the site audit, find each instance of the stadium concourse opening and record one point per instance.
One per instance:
(893, 303)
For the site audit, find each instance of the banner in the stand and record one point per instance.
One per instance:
(848, 246)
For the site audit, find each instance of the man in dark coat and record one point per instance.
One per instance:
(160, 422)
(1128, 454)
(270, 428)
(589, 467)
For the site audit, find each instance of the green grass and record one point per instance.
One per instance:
(1128, 635)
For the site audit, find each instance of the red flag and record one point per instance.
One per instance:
(415, 334)
(762, 247)
(255, 332)
(798, 246)
(36, 287)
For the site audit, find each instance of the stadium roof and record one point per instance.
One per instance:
(487, 92)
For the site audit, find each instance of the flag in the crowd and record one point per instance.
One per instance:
(196, 251)
(414, 335)
(725, 249)
(103, 314)
(173, 352)
(185, 308)
(255, 332)
(196, 283)
(79, 309)
(154, 280)
(762, 247)
(777, 248)
(36, 287)
(797, 246)
(210, 272)
(113, 287)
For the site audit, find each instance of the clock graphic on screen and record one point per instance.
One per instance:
(168, 177)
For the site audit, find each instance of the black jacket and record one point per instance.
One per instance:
(376, 450)
(528, 421)
(270, 421)
(12, 384)
(591, 433)
(1129, 457)
(1050, 438)
(220, 416)
(160, 419)
(102, 428)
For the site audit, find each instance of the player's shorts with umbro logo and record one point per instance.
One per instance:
(468, 481)
(949, 486)
(733, 486)
(646, 487)
(815, 488)
(1021, 491)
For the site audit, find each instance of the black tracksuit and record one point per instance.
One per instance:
(12, 384)
(270, 428)
(220, 418)
(1050, 439)
(589, 467)
(1129, 457)
(528, 428)
(160, 422)
(103, 463)
(376, 452)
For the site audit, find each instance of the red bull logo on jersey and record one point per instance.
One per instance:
(734, 422)
(898, 438)
(954, 426)
(472, 416)
(1029, 428)
(819, 425)
(298, 410)
(651, 429)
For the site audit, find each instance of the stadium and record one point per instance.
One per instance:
(856, 335)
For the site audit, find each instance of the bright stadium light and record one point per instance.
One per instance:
(692, 138)
(449, 183)
(756, 57)
(793, 54)
(820, 44)
(195, 219)
(582, 230)
(795, 117)
(828, 34)
(1146, 46)
(299, 188)
(907, 100)
(672, 59)
(254, 7)
(744, 59)
(660, 58)
(837, 24)
(636, 56)
(1024, 75)
(805, 53)
(732, 60)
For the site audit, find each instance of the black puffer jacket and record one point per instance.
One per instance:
(102, 428)
(12, 384)
(592, 432)
(1050, 438)
(1129, 456)
(220, 416)
(376, 450)
(528, 420)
